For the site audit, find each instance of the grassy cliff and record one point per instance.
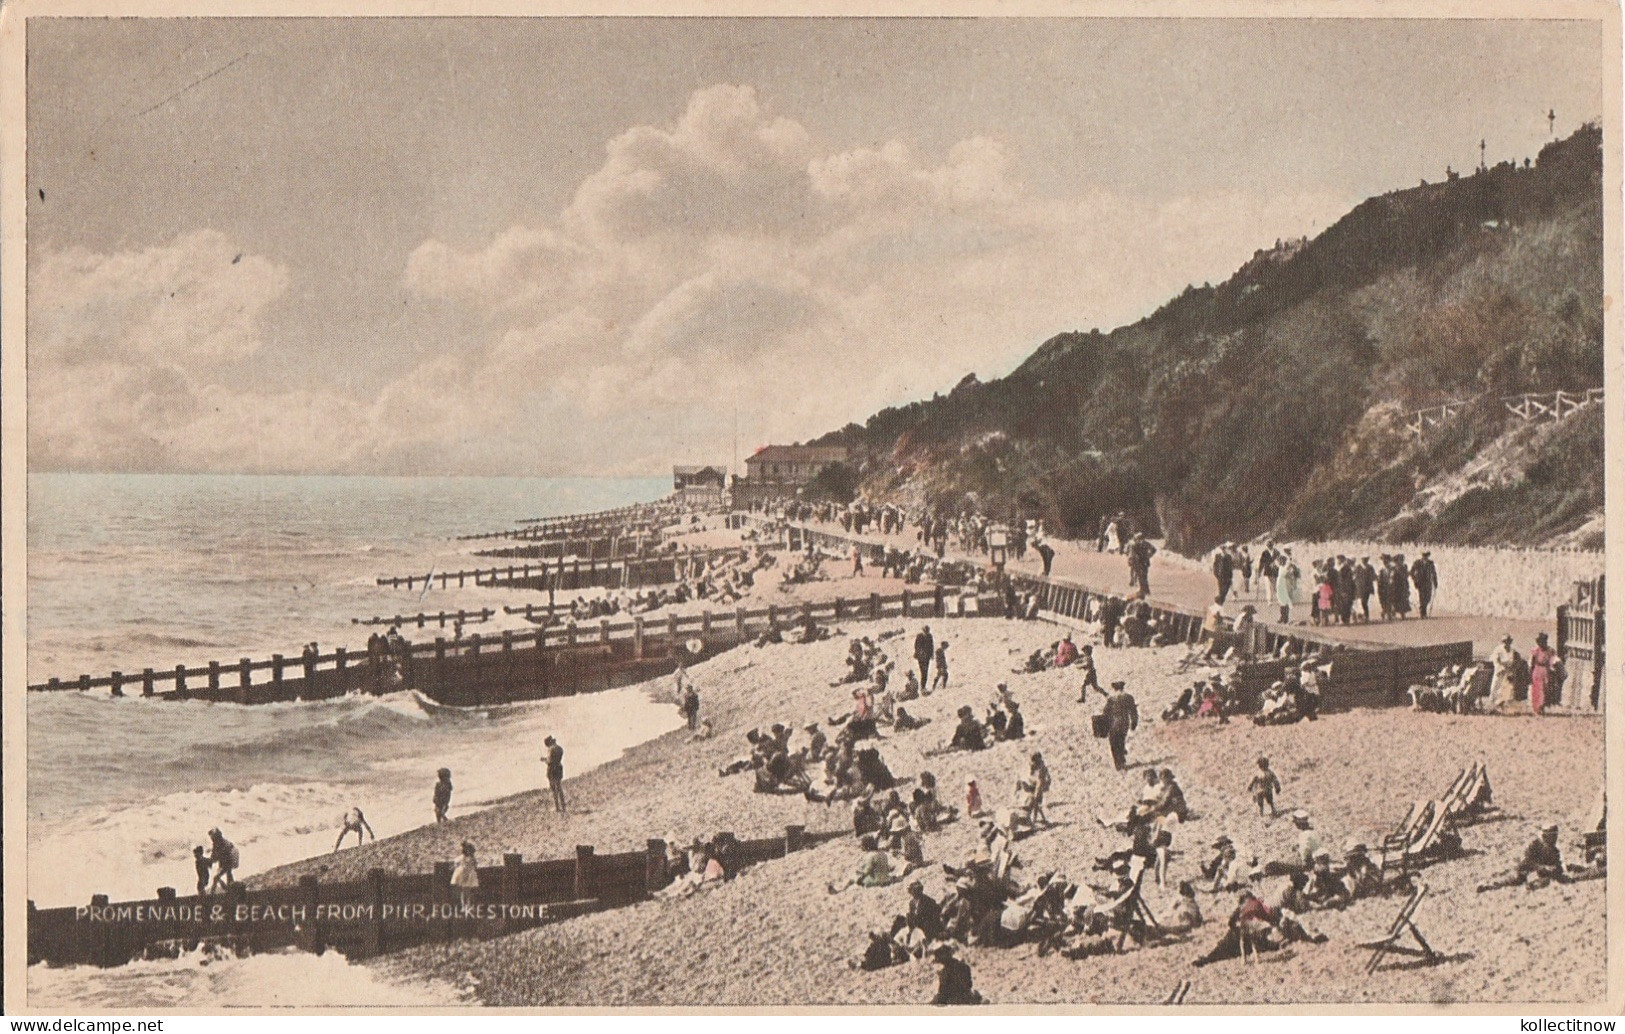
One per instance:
(1277, 400)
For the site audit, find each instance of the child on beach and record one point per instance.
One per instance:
(353, 821)
(442, 796)
(940, 679)
(465, 878)
(973, 799)
(1264, 787)
(201, 863)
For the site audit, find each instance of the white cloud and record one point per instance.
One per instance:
(726, 258)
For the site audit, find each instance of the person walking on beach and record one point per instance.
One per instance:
(924, 649)
(1264, 787)
(442, 795)
(354, 821)
(1541, 659)
(940, 679)
(857, 561)
(691, 707)
(465, 877)
(555, 772)
(1091, 678)
(201, 863)
(1122, 716)
(223, 855)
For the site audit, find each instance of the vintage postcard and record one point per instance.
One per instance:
(1051, 507)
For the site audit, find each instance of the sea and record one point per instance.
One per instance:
(127, 572)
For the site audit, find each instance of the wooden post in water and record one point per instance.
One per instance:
(214, 674)
(637, 638)
(276, 670)
(118, 683)
(180, 678)
(84, 683)
(341, 684)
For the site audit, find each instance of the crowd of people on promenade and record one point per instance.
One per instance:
(1328, 592)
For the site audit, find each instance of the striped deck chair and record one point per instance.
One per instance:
(1404, 923)
(1425, 842)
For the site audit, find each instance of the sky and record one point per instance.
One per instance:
(610, 245)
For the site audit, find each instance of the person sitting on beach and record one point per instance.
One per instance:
(874, 869)
(223, 855)
(1186, 705)
(1224, 869)
(1541, 864)
(911, 686)
(1325, 889)
(1037, 661)
(353, 821)
(969, 733)
(1186, 914)
(442, 795)
(1014, 725)
(1065, 651)
(465, 876)
(201, 863)
(954, 985)
(883, 952)
(920, 924)
(817, 743)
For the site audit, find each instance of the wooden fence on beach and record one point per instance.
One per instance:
(380, 913)
(583, 525)
(515, 665)
(570, 575)
(597, 547)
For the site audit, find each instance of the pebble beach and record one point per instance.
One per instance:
(775, 937)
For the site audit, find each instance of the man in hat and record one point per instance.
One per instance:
(1541, 864)
(1426, 579)
(1365, 581)
(922, 921)
(1122, 717)
(1140, 553)
(953, 979)
(924, 649)
(1224, 570)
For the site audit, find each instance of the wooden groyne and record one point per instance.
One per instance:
(383, 912)
(515, 665)
(601, 547)
(630, 518)
(570, 575)
(421, 620)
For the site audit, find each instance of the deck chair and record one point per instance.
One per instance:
(1130, 910)
(1177, 995)
(1401, 853)
(1394, 844)
(1404, 923)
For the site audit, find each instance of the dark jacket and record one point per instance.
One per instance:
(1121, 712)
(954, 984)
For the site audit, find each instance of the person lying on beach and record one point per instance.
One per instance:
(1541, 864)
(1037, 661)
(905, 722)
(1185, 706)
(1224, 869)
(353, 821)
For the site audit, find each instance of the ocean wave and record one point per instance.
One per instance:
(204, 978)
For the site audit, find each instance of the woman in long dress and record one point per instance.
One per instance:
(1286, 588)
(1541, 659)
